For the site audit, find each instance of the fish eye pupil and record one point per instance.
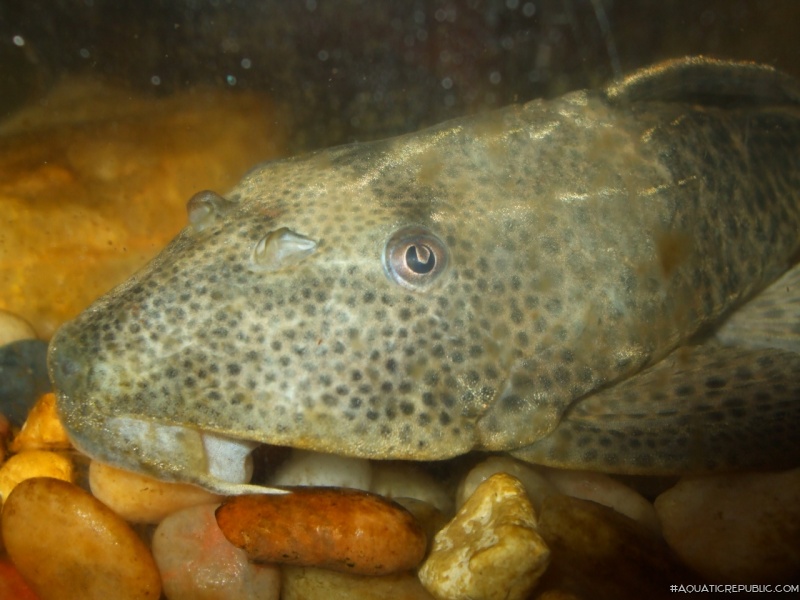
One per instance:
(415, 258)
(420, 261)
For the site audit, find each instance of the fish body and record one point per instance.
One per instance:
(476, 285)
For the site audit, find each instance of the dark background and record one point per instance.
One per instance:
(362, 69)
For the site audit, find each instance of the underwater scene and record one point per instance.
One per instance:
(479, 299)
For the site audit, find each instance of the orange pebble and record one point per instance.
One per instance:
(42, 429)
(333, 528)
(12, 585)
(68, 545)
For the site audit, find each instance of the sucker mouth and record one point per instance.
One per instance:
(214, 461)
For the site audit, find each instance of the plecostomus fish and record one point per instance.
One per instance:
(602, 281)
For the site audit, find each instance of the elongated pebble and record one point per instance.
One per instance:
(305, 467)
(70, 546)
(333, 528)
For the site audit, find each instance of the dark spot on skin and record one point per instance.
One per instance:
(715, 382)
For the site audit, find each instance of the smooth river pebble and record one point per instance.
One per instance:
(198, 563)
(12, 585)
(599, 554)
(23, 378)
(14, 328)
(404, 480)
(33, 463)
(737, 527)
(333, 528)
(308, 583)
(604, 490)
(304, 467)
(69, 545)
(142, 499)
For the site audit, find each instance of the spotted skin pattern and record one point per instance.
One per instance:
(587, 238)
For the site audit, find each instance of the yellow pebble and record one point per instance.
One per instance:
(34, 463)
(491, 549)
(141, 499)
(42, 429)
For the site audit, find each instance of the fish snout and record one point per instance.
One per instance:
(65, 364)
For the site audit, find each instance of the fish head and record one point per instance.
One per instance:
(355, 301)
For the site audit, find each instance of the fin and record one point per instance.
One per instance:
(770, 320)
(707, 81)
(703, 408)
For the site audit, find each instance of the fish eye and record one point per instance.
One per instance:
(414, 258)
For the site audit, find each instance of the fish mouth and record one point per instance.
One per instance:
(216, 462)
(210, 459)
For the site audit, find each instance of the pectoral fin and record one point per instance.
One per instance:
(704, 408)
(770, 320)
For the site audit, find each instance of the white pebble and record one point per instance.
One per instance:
(14, 328)
(305, 467)
(604, 490)
(197, 562)
(402, 480)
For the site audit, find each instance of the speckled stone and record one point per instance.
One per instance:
(490, 550)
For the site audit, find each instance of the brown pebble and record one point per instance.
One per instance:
(69, 545)
(333, 528)
(600, 554)
(308, 583)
